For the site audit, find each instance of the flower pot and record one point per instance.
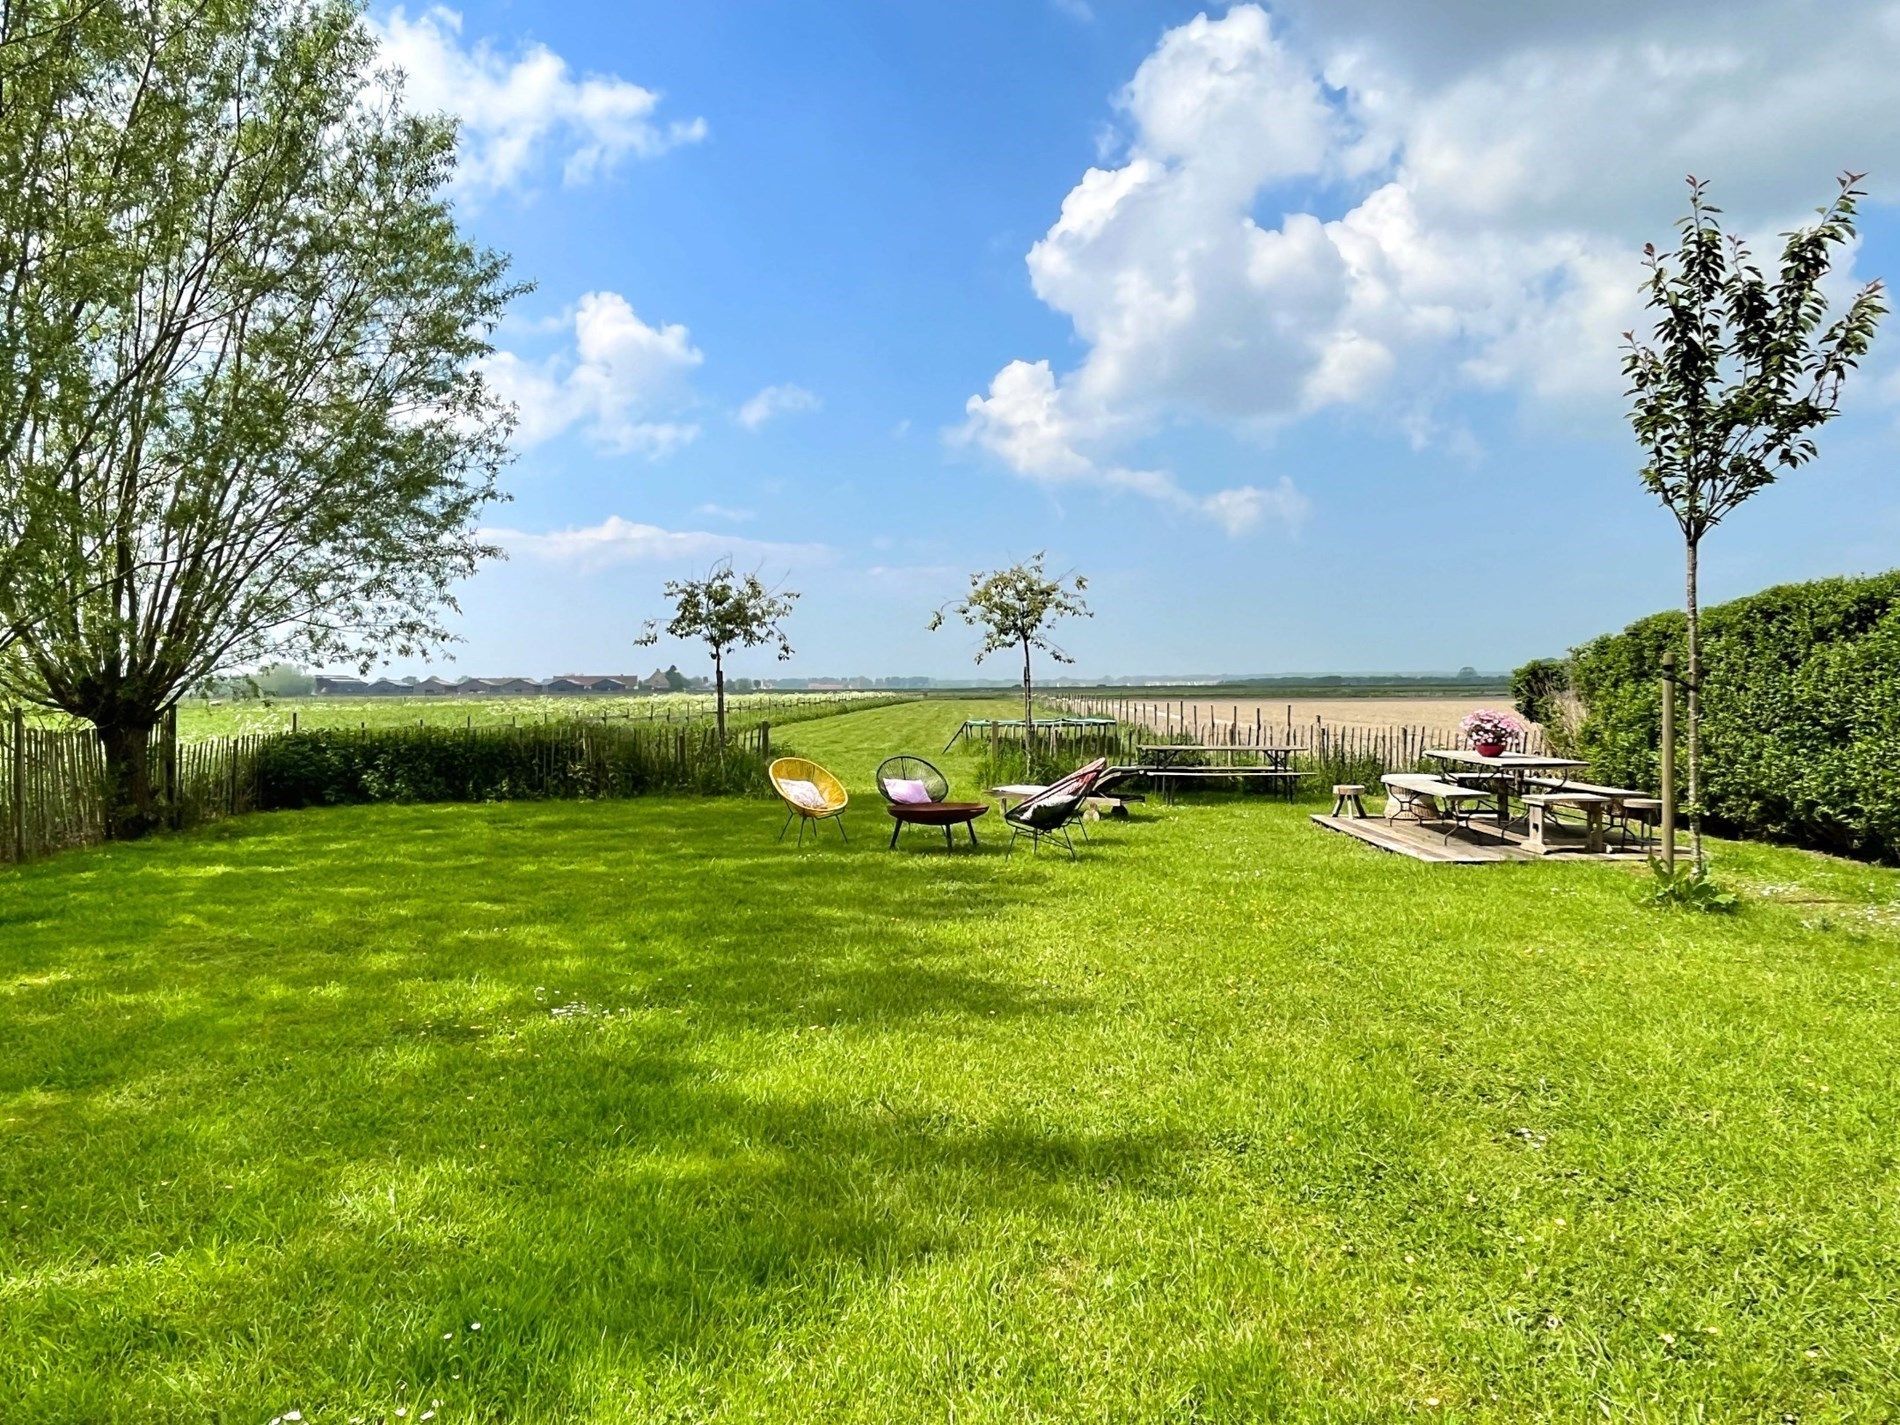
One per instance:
(1490, 749)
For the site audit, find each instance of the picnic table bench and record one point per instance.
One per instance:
(1409, 794)
(1158, 762)
(1504, 775)
(1623, 804)
(1540, 804)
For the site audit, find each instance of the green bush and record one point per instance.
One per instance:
(1800, 711)
(1536, 687)
(553, 760)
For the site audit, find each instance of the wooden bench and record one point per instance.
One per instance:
(1167, 776)
(1624, 804)
(1406, 792)
(1592, 804)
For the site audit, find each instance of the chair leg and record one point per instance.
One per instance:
(948, 844)
(970, 826)
(839, 818)
(896, 826)
(1069, 841)
(788, 824)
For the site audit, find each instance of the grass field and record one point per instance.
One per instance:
(201, 718)
(622, 1111)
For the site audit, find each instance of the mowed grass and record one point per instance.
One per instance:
(1233, 1119)
(199, 719)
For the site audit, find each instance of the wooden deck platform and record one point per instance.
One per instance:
(1482, 844)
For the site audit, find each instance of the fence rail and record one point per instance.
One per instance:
(1397, 747)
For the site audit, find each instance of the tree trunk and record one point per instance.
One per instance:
(1694, 710)
(129, 808)
(719, 695)
(1029, 714)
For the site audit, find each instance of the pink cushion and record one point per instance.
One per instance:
(910, 793)
(1077, 783)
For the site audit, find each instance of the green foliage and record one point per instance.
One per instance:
(332, 768)
(242, 412)
(1688, 887)
(1742, 367)
(1049, 753)
(724, 611)
(1537, 685)
(1015, 608)
(1801, 708)
(1740, 372)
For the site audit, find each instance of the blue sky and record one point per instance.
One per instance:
(1294, 329)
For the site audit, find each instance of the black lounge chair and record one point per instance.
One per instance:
(1048, 815)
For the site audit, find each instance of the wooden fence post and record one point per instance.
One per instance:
(1669, 763)
(168, 756)
(18, 801)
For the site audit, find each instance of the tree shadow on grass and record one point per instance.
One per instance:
(612, 1079)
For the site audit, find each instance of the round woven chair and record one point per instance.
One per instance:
(905, 768)
(825, 801)
(936, 810)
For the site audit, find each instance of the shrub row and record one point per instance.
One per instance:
(1800, 711)
(554, 760)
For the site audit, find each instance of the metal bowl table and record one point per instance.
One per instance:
(942, 814)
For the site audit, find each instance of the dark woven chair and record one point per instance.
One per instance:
(938, 811)
(1048, 815)
(905, 768)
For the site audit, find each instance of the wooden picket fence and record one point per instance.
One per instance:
(53, 783)
(1391, 748)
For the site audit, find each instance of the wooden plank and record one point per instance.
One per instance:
(1421, 844)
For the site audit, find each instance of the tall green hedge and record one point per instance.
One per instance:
(1801, 711)
(452, 764)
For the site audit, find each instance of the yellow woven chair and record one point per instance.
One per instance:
(812, 794)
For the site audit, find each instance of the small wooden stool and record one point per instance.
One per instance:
(1347, 800)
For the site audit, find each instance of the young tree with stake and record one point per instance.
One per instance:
(725, 611)
(241, 411)
(1741, 369)
(1015, 608)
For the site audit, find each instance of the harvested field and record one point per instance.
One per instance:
(1307, 713)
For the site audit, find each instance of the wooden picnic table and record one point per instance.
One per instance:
(1507, 771)
(1159, 759)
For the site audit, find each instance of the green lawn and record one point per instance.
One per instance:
(1233, 1119)
(199, 718)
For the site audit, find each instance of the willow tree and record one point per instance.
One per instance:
(724, 611)
(1014, 609)
(1741, 370)
(241, 415)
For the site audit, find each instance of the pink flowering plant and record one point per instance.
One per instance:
(1488, 725)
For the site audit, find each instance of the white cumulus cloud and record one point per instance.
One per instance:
(613, 541)
(520, 111)
(623, 382)
(1386, 204)
(1028, 421)
(776, 401)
